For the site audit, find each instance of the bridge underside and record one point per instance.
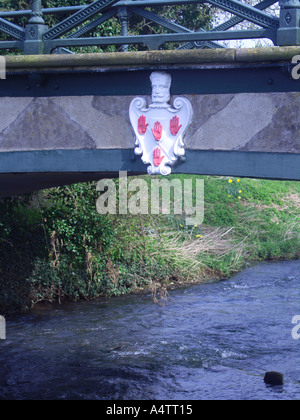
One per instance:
(64, 119)
(63, 167)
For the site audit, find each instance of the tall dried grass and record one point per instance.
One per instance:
(188, 253)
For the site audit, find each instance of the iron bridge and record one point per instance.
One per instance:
(51, 66)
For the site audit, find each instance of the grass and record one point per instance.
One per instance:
(245, 220)
(61, 249)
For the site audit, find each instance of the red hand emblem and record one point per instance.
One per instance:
(142, 126)
(174, 125)
(157, 132)
(157, 157)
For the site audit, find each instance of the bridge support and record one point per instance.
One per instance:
(35, 30)
(289, 29)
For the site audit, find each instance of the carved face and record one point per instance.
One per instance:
(161, 83)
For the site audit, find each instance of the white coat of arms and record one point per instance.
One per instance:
(159, 129)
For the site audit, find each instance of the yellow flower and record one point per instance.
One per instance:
(240, 191)
(199, 236)
(229, 196)
(230, 181)
(237, 180)
(195, 225)
(239, 197)
(181, 225)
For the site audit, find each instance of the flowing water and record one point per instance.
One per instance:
(210, 341)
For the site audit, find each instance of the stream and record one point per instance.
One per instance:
(207, 342)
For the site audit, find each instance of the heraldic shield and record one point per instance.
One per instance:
(159, 129)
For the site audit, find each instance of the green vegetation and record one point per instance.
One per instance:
(55, 247)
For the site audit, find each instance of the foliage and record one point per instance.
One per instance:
(22, 241)
(55, 247)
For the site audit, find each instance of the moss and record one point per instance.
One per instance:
(179, 57)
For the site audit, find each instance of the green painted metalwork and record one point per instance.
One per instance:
(89, 26)
(207, 162)
(37, 38)
(10, 29)
(203, 80)
(169, 25)
(227, 25)
(79, 17)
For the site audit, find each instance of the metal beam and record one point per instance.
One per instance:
(41, 40)
(91, 25)
(285, 166)
(76, 19)
(236, 20)
(133, 79)
(11, 29)
(47, 11)
(127, 3)
(8, 45)
(227, 25)
(167, 24)
(155, 41)
(247, 12)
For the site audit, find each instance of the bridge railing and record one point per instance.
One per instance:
(37, 37)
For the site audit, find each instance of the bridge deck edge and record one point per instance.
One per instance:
(144, 58)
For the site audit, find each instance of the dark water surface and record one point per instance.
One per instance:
(211, 341)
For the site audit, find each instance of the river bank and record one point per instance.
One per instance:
(55, 247)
